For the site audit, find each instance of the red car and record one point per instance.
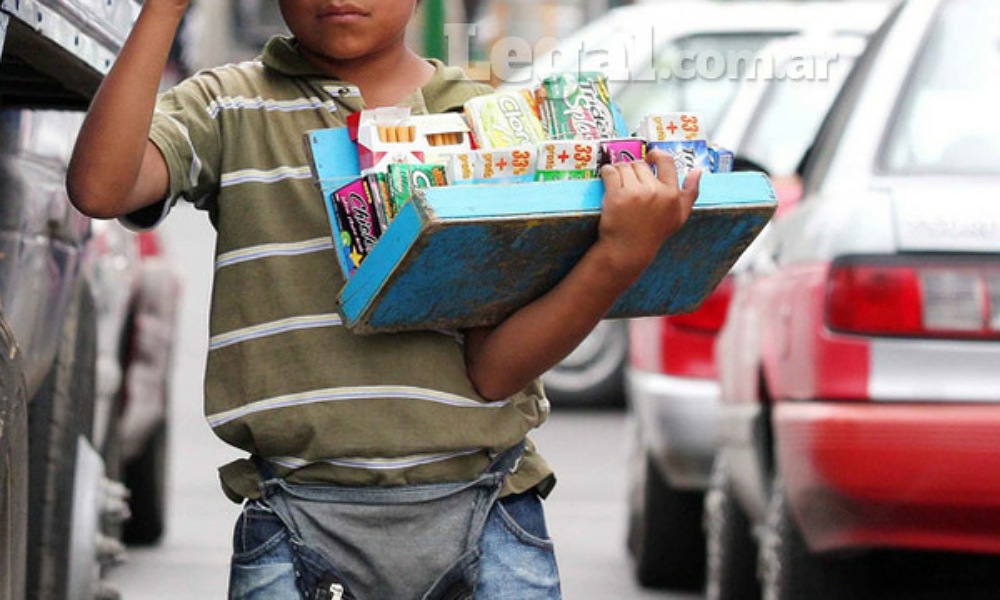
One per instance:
(860, 361)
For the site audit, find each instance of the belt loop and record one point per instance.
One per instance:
(268, 477)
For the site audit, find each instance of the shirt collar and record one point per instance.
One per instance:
(281, 54)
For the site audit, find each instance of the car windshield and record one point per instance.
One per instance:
(948, 120)
(791, 114)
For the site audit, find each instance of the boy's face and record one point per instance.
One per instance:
(347, 29)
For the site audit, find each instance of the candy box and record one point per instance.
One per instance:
(622, 150)
(356, 223)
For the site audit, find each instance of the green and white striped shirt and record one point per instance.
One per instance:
(284, 379)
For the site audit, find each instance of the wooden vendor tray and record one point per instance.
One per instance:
(470, 255)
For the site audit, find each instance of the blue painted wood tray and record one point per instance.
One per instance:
(470, 255)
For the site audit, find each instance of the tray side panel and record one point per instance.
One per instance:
(478, 271)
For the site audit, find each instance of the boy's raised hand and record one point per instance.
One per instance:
(167, 7)
(642, 209)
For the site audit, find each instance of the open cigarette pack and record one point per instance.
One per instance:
(435, 231)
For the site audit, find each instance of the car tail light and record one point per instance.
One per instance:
(687, 342)
(934, 298)
(711, 315)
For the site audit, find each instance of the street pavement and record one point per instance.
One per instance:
(586, 511)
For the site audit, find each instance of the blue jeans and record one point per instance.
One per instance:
(517, 561)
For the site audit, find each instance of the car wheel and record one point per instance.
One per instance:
(58, 417)
(790, 571)
(731, 551)
(664, 532)
(145, 478)
(594, 373)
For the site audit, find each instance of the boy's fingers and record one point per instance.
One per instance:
(612, 178)
(627, 173)
(666, 172)
(692, 186)
(643, 172)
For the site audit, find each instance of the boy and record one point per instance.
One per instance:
(377, 461)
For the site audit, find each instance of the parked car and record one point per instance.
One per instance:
(858, 363)
(658, 57)
(84, 336)
(87, 313)
(672, 391)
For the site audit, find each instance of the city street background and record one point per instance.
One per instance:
(586, 511)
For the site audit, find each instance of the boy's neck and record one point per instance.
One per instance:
(385, 77)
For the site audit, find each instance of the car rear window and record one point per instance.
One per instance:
(948, 118)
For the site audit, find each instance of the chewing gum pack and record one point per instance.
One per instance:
(502, 120)
(682, 136)
(567, 159)
(405, 180)
(579, 107)
(502, 165)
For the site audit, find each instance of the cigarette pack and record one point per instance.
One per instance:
(384, 136)
(441, 136)
(503, 119)
(578, 107)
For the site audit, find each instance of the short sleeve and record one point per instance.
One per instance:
(186, 132)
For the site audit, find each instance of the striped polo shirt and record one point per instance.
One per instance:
(285, 380)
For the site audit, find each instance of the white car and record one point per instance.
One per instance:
(858, 367)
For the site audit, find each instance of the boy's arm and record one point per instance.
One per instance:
(115, 169)
(640, 211)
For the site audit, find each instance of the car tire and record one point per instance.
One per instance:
(60, 414)
(593, 375)
(730, 548)
(790, 571)
(146, 479)
(13, 467)
(665, 537)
